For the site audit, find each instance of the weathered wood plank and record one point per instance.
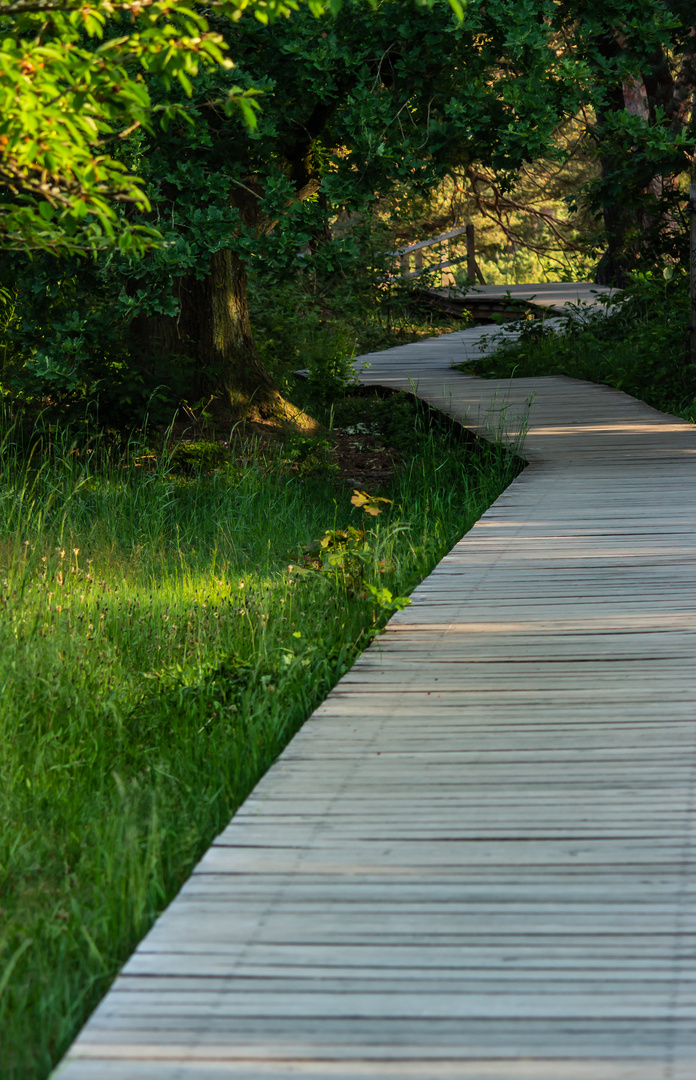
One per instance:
(188, 1067)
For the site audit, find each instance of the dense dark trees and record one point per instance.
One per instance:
(353, 105)
(369, 97)
(640, 74)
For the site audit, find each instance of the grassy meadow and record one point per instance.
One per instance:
(156, 654)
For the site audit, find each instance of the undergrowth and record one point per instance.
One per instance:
(156, 654)
(320, 318)
(638, 344)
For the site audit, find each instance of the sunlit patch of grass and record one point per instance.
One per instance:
(155, 657)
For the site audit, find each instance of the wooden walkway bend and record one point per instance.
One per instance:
(476, 860)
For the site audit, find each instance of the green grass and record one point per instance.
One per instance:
(155, 657)
(639, 346)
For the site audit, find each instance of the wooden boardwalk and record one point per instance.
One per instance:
(476, 860)
(555, 298)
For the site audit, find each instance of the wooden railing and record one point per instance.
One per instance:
(404, 254)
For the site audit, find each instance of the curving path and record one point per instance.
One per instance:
(476, 860)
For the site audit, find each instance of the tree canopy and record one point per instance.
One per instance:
(75, 83)
(371, 97)
(76, 80)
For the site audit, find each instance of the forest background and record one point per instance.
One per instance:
(142, 190)
(197, 199)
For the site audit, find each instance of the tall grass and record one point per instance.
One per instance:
(155, 657)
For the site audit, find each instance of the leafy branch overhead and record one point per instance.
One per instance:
(74, 84)
(75, 81)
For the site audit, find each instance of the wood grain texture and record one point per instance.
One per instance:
(476, 860)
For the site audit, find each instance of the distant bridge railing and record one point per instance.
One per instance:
(404, 255)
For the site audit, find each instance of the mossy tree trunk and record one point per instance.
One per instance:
(214, 331)
(213, 334)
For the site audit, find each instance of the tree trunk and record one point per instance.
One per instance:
(213, 332)
(641, 206)
(614, 266)
(619, 222)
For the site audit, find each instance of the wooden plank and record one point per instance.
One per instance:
(158, 1067)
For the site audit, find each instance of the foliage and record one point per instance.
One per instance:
(322, 312)
(326, 98)
(638, 344)
(72, 85)
(67, 344)
(68, 340)
(386, 103)
(346, 556)
(374, 101)
(368, 503)
(636, 63)
(84, 74)
(308, 455)
(198, 455)
(154, 658)
(613, 169)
